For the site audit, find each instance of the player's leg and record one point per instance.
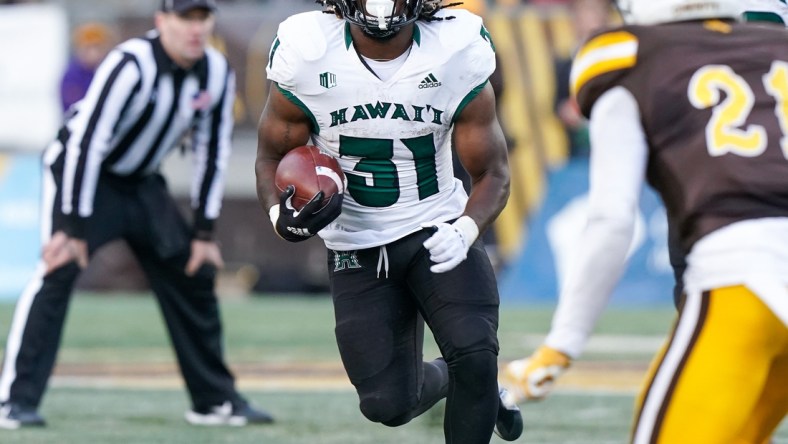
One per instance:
(39, 316)
(461, 309)
(706, 385)
(380, 337)
(772, 407)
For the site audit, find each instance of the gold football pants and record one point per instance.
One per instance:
(720, 378)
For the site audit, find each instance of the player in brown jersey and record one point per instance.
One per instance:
(696, 104)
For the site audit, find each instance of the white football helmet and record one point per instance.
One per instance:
(378, 18)
(651, 12)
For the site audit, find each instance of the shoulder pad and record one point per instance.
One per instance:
(600, 64)
(458, 32)
(298, 31)
(300, 40)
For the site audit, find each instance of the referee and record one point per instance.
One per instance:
(102, 183)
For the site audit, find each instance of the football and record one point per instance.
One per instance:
(310, 171)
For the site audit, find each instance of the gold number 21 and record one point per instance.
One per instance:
(725, 132)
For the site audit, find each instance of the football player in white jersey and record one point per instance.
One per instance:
(389, 88)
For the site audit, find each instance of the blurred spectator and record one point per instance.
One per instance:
(90, 42)
(587, 17)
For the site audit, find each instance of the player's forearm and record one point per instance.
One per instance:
(265, 171)
(590, 282)
(283, 126)
(488, 197)
(618, 162)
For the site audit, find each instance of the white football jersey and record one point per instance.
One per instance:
(392, 138)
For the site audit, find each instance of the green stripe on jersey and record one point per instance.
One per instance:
(467, 99)
(291, 97)
(273, 51)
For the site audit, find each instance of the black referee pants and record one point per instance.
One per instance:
(144, 214)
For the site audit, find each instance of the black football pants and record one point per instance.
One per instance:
(382, 297)
(144, 215)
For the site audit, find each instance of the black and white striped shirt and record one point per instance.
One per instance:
(139, 107)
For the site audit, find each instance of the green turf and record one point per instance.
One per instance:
(145, 416)
(123, 328)
(126, 329)
(140, 416)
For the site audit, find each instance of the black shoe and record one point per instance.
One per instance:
(245, 413)
(14, 416)
(239, 414)
(509, 423)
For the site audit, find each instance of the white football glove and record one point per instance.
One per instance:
(450, 244)
(534, 377)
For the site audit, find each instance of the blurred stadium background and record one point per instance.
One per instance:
(532, 238)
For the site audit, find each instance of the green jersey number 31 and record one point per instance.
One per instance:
(376, 154)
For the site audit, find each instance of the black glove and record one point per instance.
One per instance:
(296, 226)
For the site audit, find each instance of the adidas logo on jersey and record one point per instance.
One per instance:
(429, 82)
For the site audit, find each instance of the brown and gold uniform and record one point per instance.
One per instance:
(713, 104)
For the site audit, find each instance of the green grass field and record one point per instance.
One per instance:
(116, 381)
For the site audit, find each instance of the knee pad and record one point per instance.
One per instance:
(466, 333)
(479, 366)
(389, 411)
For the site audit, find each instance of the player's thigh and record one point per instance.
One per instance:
(706, 385)
(461, 305)
(772, 406)
(378, 329)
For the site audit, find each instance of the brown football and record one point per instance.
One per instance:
(310, 171)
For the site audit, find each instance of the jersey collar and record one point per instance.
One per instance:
(349, 38)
